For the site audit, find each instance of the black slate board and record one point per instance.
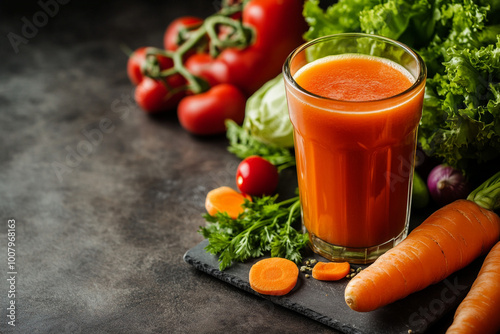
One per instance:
(324, 301)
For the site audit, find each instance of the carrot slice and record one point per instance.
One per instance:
(273, 276)
(225, 199)
(330, 271)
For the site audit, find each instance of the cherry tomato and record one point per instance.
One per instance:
(173, 34)
(256, 176)
(204, 66)
(136, 62)
(205, 113)
(153, 96)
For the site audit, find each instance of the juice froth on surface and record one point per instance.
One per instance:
(354, 77)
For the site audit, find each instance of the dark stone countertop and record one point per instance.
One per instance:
(106, 200)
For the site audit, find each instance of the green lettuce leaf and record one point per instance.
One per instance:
(461, 115)
(411, 22)
(459, 25)
(338, 18)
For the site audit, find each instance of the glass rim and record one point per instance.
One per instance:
(422, 69)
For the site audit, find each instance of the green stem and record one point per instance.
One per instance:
(290, 200)
(287, 164)
(126, 49)
(293, 208)
(152, 69)
(229, 9)
(487, 195)
(169, 72)
(196, 84)
(241, 37)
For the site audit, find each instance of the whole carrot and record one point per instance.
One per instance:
(479, 312)
(448, 240)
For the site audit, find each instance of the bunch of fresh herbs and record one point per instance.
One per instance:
(265, 226)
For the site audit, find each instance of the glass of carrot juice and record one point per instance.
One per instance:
(355, 101)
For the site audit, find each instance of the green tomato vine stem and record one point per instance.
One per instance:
(240, 36)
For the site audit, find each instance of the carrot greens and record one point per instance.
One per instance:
(265, 226)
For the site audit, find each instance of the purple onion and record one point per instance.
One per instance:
(447, 184)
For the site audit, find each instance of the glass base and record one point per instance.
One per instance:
(350, 254)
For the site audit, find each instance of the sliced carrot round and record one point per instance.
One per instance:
(274, 276)
(330, 271)
(225, 199)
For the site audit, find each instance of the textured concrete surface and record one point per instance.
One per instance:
(107, 200)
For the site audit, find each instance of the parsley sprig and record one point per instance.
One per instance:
(264, 226)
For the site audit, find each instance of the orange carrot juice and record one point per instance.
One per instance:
(355, 121)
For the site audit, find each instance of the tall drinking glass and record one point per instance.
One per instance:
(355, 101)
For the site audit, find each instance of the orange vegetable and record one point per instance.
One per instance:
(448, 240)
(479, 312)
(273, 276)
(331, 271)
(225, 199)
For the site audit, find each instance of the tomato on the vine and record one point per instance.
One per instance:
(246, 68)
(204, 66)
(206, 113)
(137, 60)
(279, 26)
(256, 176)
(153, 96)
(173, 34)
(233, 59)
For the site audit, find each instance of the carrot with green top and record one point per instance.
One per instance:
(479, 312)
(448, 240)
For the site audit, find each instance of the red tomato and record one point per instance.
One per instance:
(171, 36)
(279, 26)
(136, 62)
(205, 113)
(248, 68)
(153, 96)
(256, 176)
(204, 66)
